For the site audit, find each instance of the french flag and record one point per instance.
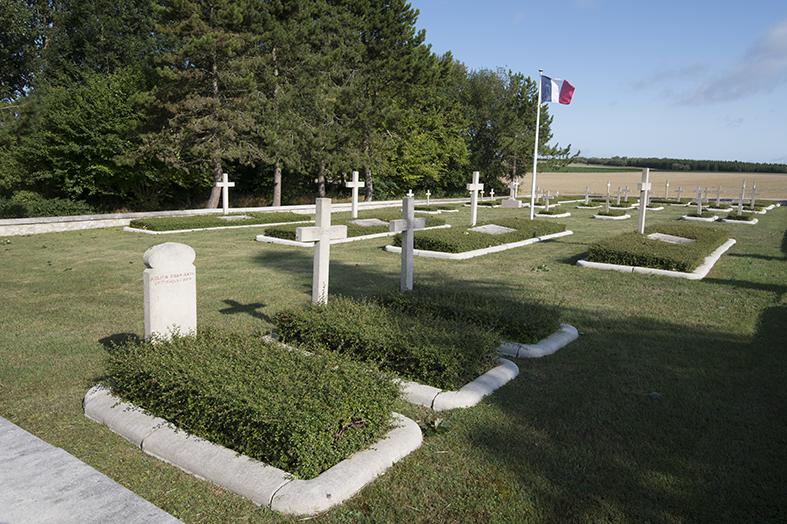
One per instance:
(556, 90)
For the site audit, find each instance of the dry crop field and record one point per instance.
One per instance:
(769, 185)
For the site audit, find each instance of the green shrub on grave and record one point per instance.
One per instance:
(744, 217)
(704, 214)
(353, 230)
(207, 221)
(516, 320)
(553, 210)
(301, 413)
(612, 213)
(633, 249)
(723, 205)
(458, 240)
(437, 207)
(427, 349)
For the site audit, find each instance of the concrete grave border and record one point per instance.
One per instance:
(616, 217)
(295, 243)
(565, 335)
(698, 274)
(657, 208)
(761, 212)
(699, 219)
(172, 232)
(627, 208)
(467, 396)
(479, 252)
(559, 215)
(747, 222)
(263, 484)
(590, 207)
(719, 209)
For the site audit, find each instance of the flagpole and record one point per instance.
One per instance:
(535, 149)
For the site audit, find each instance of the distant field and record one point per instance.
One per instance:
(589, 169)
(769, 185)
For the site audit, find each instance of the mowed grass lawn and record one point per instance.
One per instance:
(671, 407)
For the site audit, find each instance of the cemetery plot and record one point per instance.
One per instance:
(553, 212)
(432, 357)
(681, 250)
(370, 224)
(165, 225)
(460, 244)
(437, 209)
(740, 218)
(312, 417)
(612, 214)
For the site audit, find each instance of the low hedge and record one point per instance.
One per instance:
(723, 205)
(438, 207)
(297, 412)
(458, 240)
(425, 348)
(553, 210)
(515, 320)
(206, 221)
(705, 214)
(353, 230)
(668, 201)
(740, 216)
(633, 249)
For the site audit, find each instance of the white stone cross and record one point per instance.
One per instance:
(410, 193)
(742, 198)
(705, 195)
(718, 196)
(492, 193)
(666, 190)
(514, 187)
(474, 188)
(753, 194)
(547, 198)
(606, 199)
(679, 192)
(355, 185)
(644, 189)
(482, 194)
(407, 225)
(170, 291)
(428, 196)
(225, 186)
(626, 193)
(587, 195)
(619, 191)
(699, 201)
(321, 234)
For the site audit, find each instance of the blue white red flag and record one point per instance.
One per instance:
(556, 90)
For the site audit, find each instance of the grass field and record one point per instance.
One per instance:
(669, 408)
(769, 185)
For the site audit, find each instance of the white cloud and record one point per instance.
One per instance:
(761, 70)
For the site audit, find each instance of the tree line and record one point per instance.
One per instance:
(684, 164)
(143, 104)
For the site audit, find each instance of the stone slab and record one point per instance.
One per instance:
(559, 215)
(670, 239)
(42, 484)
(265, 485)
(557, 340)
(369, 222)
(478, 252)
(699, 219)
(492, 229)
(589, 207)
(698, 274)
(748, 222)
(510, 203)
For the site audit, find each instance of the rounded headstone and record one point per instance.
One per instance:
(169, 255)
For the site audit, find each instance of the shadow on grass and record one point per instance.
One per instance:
(236, 307)
(643, 420)
(118, 339)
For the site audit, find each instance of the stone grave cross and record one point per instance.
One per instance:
(407, 225)
(492, 193)
(606, 200)
(547, 198)
(718, 196)
(626, 193)
(410, 193)
(644, 190)
(699, 201)
(666, 190)
(753, 194)
(587, 195)
(428, 196)
(225, 186)
(474, 188)
(679, 192)
(170, 291)
(482, 194)
(514, 189)
(707, 199)
(321, 234)
(618, 202)
(742, 198)
(355, 185)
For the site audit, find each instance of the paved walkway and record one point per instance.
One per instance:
(40, 483)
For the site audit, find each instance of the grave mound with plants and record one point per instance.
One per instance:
(459, 240)
(633, 249)
(206, 221)
(553, 210)
(704, 214)
(516, 320)
(437, 207)
(298, 412)
(612, 213)
(744, 217)
(353, 230)
(426, 348)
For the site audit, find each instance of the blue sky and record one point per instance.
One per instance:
(690, 79)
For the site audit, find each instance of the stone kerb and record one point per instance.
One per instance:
(467, 396)
(557, 340)
(263, 484)
(612, 217)
(170, 290)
